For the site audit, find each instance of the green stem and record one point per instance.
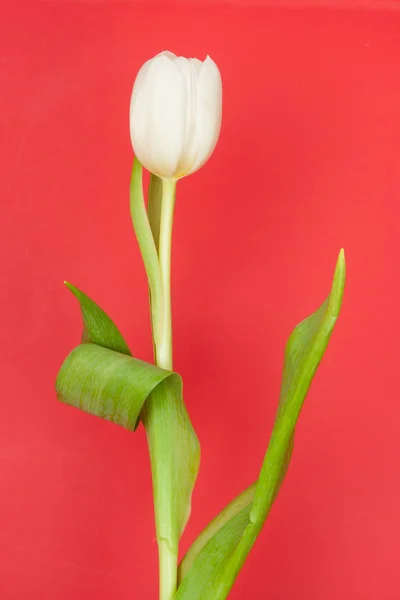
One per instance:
(163, 341)
(168, 567)
(154, 237)
(168, 557)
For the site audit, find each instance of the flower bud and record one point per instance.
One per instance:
(175, 114)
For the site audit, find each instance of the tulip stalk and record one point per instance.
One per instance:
(156, 254)
(162, 342)
(163, 348)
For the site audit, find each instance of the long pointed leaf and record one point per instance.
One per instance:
(211, 566)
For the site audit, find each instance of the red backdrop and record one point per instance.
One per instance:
(307, 162)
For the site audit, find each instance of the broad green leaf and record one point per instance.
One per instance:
(115, 387)
(111, 385)
(101, 377)
(98, 328)
(211, 566)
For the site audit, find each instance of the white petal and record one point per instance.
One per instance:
(188, 68)
(183, 65)
(196, 65)
(208, 114)
(138, 113)
(166, 53)
(139, 105)
(157, 117)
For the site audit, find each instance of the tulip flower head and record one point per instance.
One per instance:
(175, 114)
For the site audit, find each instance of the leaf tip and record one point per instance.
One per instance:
(77, 293)
(338, 284)
(341, 265)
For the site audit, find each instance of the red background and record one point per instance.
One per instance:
(307, 162)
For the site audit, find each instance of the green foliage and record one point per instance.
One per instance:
(212, 564)
(101, 377)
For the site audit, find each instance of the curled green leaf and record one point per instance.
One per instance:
(109, 384)
(101, 377)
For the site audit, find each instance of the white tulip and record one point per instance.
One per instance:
(175, 114)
